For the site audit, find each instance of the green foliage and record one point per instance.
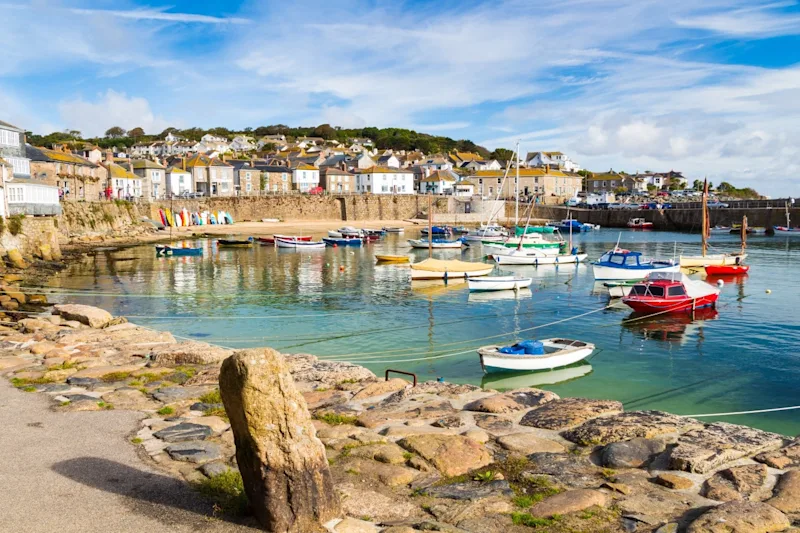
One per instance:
(115, 376)
(523, 501)
(526, 519)
(211, 397)
(66, 365)
(15, 224)
(218, 411)
(105, 405)
(166, 411)
(226, 490)
(485, 476)
(29, 388)
(136, 440)
(335, 419)
(115, 132)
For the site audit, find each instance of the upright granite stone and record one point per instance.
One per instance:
(85, 314)
(283, 464)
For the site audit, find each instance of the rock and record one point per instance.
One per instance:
(527, 443)
(389, 453)
(16, 260)
(398, 432)
(203, 407)
(494, 424)
(32, 325)
(176, 394)
(214, 469)
(452, 455)
(12, 362)
(567, 412)
(130, 400)
(85, 314)
(327, 398)
(569, 502)
(428, 410)
(188, 353)
(471, 490)
(736, 483)
(629, 425)
(82, 405)
(106, 370)
(379, 507)
(634, 453)
(38, 299)
(307, 368)
(674, 481)
(184, 431)
(478, 435)
(786, 457)
(351, 525)
(787, 493)
(380, 388)
(616, 487)
(509, 402)
(283, 464)
(82, 382)
(194, 451)
(450, 422)
(671, 527)
(701, 450)
(740, 517)
(389, 475)
(59, 375)
(81, 397)
(9, 305)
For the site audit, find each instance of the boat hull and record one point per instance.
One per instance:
(727, 270)
(670, 305)
(435, 245)
(499, 283)
(494, 361)
(538, 260)
(782, 230)
(299, 245)
(178, 252)
(342, 242)
(392, 258)
(611, 273)
(502, 249)
(417, 274)
(688, 261)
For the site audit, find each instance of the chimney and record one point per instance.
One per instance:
(547, 168)
(109, 157)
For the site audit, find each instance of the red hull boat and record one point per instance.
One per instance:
(727, 270)
(670, 293)
(271, 240)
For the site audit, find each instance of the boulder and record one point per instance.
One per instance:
(417, 411)
(740, 517)
(569, 502)
(494, 424)
(567, 412)
(352, 525)
(379, 388)
(674, 481)
(176, 394)
(309, 369)
(283, 464)
(188, 353)
(325, 398)
(359, 501)
(387, 474)
(735, 483)
(85, 314)
(527, 443)
(786, 457)
(634, 453)
(16, 259)
(702, 450)
(509, 402)
(629, 425)
(787, 493)
(452, 455)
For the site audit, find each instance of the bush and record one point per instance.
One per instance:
(226, 491)
(15, 224)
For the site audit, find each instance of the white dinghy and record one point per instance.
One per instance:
(534, 355)
(499, 283)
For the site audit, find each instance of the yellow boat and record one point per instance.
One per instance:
(392, 258)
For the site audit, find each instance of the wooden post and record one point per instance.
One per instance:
(744, 233)
(705, 216)
(430, 225)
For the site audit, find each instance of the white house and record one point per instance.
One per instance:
(433, 164)
(215, 143)
(439, 182)
(384, 180)
(492, 164)
(179, 181)
(464, 189)
(305, 177)
(171, 138)
(153, 176)
(242, 143)
(389, 160)
(553, 159)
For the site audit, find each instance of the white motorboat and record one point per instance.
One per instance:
(536, 257)
(487, 233)
(534, 355)
(349, 231)
(436, 244)
(688, 261)
(393, 229)
(448, 269)
(297, 244)
(499, 283)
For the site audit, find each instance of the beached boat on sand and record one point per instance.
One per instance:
(534, 355)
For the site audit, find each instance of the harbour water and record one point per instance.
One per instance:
(338, 304)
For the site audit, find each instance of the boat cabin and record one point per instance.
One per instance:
(620, 258)
(660, 288)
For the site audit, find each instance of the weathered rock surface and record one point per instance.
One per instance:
(629, 425)
(188, 353)
(471, 490)
(674, 481)
(105, 370)
(526, 443)
(740, 517)
(380, 388)
(787, 493)
(735, 483)
(704, 449)
(176, 394)
(569, 470)
(569, 502)
(509, 402)
(452, 455)
(567, 412)
(85, 314)
(378, 506)
(494, 424)
(352, 525)
(391, 475)
(283, 464)
(634, 453)
(185, 431)
(404, 411)
(130, 400)
(307, 368)
(326, 398)
(786, 457)
(194, 451)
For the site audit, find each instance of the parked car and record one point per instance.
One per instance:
(662, 193)
(716, 205)
(601, 205)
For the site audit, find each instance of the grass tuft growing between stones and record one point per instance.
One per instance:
(166, 410)
(66, 365)
(105, 405)
(217, 411)
(115, 376)
(136, 440)
(211, 397)
(526, 519)
(226, 490)
(335, 419)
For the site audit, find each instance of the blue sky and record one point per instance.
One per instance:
(710, 88)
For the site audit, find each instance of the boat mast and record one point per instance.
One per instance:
(527, 223)
(570, 231)
(788, 222)
(705, 216)
(430, 225)
(744, 233)
(516, 191)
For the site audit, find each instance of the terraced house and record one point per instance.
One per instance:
(539, 182)
(211, 176)
(153, 176)
(121, 182)
(21, 192)
(383, 180)
(76, 177)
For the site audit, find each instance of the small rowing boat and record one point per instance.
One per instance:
(534, 355)
(499, 283)
(720, 230)
(230, 243)
(536, 258)
(163, 250)
(448, 269)
(393, 229)
(282, 242)
(435, 243)
(639, 223)
(342, 242)
(392, 258)
(618, 289)
(726, 270)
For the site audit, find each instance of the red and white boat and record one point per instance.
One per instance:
(639, 223)
(296, 243)
(726, 270)
(670, 292)
(271, 240)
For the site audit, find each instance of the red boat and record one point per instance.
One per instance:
(639, 223)
(670, 292)
(271, 240)
(726, 270)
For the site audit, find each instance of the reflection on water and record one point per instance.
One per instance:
(514, 380)
(338, 304)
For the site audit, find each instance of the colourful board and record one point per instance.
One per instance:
(170, 221)
(163, 217)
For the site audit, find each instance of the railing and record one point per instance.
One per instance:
(386, 375)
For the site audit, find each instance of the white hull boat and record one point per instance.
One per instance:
(688, 261)
(500, 249)
(611, 273)
(557, 353)
(299, 245)
(437, 244)
(499, 283)
(526, 258)
(391, 229)
(448, 269)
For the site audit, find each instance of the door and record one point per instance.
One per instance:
(467, 208)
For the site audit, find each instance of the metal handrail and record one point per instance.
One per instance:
(386, 376)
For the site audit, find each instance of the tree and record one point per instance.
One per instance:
(725, 187)
(697, 185)
(115, 132)
(136, 132)
(502, 154)
(325, 131)
(620, 190)
(75, 134)
(167, 132)
(651, 188)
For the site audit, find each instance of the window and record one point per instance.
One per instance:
(9, 138)
(283, 176)
(676, 291)
(657, 291)
(346, 187)
(616, 259)
(631, 260)
(499, 180)
(247, 177)
(155, 175)
(21, 165)
(249, 186)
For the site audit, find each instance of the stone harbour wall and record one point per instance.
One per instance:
(30, 237)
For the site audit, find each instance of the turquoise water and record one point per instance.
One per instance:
(338, 304)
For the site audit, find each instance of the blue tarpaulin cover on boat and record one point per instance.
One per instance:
(524, 348)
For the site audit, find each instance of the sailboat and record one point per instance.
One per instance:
(787, 229)
(732, 270)
(526, 254)
(688, 261)
(491, 231)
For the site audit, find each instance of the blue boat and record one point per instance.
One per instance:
(438, 230)
(570, 223)
(164, 250)
(619, 264)
(342, 242)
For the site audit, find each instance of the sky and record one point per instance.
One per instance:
(708, 88)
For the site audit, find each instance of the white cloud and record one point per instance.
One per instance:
(444, 126)
(161, 15)
(110, 109)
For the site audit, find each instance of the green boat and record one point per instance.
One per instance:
(537, 245)
(534, 229)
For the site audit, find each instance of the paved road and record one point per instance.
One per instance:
(77, 472)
